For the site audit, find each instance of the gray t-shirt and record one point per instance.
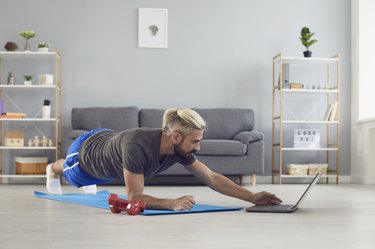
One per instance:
(105, 154)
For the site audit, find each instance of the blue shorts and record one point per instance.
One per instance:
(73, 172)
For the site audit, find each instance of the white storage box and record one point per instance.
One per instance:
(296, 169)
(46, 79)
(31, 165)
(14, 138)
(315, 168)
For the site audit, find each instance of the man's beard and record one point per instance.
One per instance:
(186, 155)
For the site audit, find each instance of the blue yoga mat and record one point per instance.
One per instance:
(100, 200)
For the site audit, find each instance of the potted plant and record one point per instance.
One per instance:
(43, 47)
(10, 46)
(27, 34)
(28, 79)
(306, 40)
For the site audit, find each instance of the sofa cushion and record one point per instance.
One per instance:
(225, 123)
(115, 118)
(152, 118)
(219, 147)
(248, 137)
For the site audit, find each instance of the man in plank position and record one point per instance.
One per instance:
(131, 155)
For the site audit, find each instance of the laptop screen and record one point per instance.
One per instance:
(315, 180)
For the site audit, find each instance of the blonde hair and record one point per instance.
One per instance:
(183, 120)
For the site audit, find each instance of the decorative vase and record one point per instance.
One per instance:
(27, 46)
(307, 53)
(27, 83)
(46, 111)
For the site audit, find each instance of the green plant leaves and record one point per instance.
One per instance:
(306, 36)
(27, 34)
(311, 42)
(28, 77)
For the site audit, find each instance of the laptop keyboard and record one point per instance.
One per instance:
(275, 207)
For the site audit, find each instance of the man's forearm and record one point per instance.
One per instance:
(225, 186)
(155, 203)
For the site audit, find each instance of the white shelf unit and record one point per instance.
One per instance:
(309, 91)
(309, 149)
(307, 176)
(26, 86)
(28, 119)
(328, 92)
(23, 176)
(27, 148)
(303, 60)
(15, 59)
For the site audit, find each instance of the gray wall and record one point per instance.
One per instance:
(219, 52)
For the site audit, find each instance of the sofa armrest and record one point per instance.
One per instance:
(76, 133)
(248, 137)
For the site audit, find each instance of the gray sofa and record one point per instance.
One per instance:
(230, 145)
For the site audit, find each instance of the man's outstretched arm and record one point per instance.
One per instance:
(134, 184)
(225, 186)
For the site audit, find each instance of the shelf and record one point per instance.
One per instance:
(28, 119)
(27, 54)
(27, 148)
(17, 98)
(23, 176)
(20, 86)
(303, 60)
(314, 149)
(306, 122)
(299, 149)
(307, 176)
(309, 90)
(324, 90)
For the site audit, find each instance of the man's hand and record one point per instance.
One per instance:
(134, 189)
(183, 203)
(265, 198)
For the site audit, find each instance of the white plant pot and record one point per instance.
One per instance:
(27, 83)
(43, 50)
(46, 111)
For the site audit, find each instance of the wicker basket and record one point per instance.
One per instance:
(315, 168)
(296, 169)
(31, 165)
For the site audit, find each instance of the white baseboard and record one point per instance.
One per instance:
(362, 180)
(268, 180)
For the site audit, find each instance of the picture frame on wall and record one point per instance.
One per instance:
(152, 28)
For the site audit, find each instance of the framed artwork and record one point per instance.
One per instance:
(152, 28)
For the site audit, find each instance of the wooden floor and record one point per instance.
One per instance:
(332, 216)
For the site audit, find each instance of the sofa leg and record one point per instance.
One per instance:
(253, 179)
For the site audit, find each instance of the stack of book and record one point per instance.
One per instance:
(331, 113)
(13, 115)
(295, 85)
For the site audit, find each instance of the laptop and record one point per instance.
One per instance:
(284, 208)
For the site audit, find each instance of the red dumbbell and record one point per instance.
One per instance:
(117, 205)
